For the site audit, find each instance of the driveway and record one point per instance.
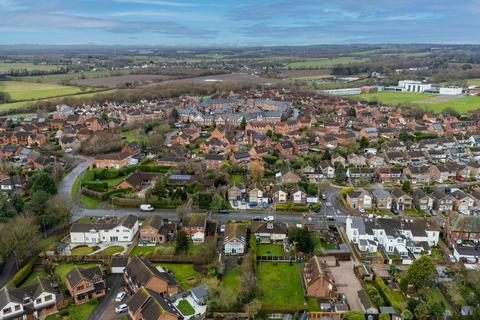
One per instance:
(347, 283)
(106, 305)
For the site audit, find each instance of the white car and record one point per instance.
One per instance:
(268, 218)
(222, 228)
(146, 207)
(120, 296)
(362, 210)
(68, 150)
(121, 308)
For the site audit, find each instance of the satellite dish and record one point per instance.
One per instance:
(459, 241)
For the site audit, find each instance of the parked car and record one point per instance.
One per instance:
(222, 228)
(256, 219)
(120, 296)
(146, 207)
(324, 196)
(362, 210)
(121, 308)
(459, 179)
(452, 258)
(223, 211)
(268, 218)
(68, 150)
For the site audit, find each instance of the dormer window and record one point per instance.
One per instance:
(269, 225)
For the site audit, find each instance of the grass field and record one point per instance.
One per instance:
(435, 295)
(111, 250)
(473, 82)
(394, 97)
(311, 78)
(88, 202)
(231, 279)
(20, 90)
(81, 251)
(34, 275)
(184, 274)
(185, 308)
(323, 63)
(76, 312)
(281, 287)
(7, 66)
(54, 78)
(162, 249)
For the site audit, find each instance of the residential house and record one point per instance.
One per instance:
(361, 175)
(269, 232)
(463, 202)
(115, 160)
(235, 193)
(401, 200)
(34, 301)
(389, 175)
(141, 273)
(290, 177)
(195, 226)
(149, 304)
(441, 201)
(338, 158)
(85, 284)
(422, 201)
(113, 229)
(443, 172)
(299, 196)
(139, 180)
(382, 199)
(359, 199)
(318, 279)
(327, 169)
(235, 240)
(156, 230)
(214, 161)
(132, 148)
(312, 174)
(399, 236)
(255, 195)
(356, 160)
(279, 194)
(461, 228)
(418, 175)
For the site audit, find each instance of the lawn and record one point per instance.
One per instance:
(88, 202)
(437, 254)
(162, 249)
(236, 179)
(313, 305)
(473, 82)
(114, 182)
(311, 78)
(133, 135)
(20, 90)
(34, 275)
(435, 295)
(76, 186)
(62, 269)
(76, 312)
(81, 251)
(270, 250)
(461, 105)
(185, 308)
(323, 63)
(184, 274)
(231, 279)
(111, 250)
(281, 286)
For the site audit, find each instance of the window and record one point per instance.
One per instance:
(89, 285)
(48, 298)
(39, 300)
(17, 307)
(80, 287)
(7, 310)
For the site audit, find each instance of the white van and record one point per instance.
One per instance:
(146, 207)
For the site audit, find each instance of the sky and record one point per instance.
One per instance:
(238, 23)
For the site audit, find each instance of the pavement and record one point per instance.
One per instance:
(347, 283)
(105, 309)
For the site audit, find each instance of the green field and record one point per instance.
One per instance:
(473, 82)
(184, 274)
(185, 308)
(419, 100)
(7, 66)
(323, 63)
(76, 311)
(81, 251)
(20, 90)
(270, 250)
(281, 286)
(54, 78)
(311, 78)
(89, 202)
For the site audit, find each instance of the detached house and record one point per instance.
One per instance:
(422, 201)
(195, 226)
(149, 304)
(318, 279)
(269, 232)
(235, 240)
(401, 200)
(279, 194)
(141, 273)
(360, 199)
(442, 201)
(299, 195)
(156, 230)
(382, 199)
(85, 284)
(115, 160)
(418, 175)
(463, 202)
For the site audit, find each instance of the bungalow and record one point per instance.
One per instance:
(269, 232)
(360, 199)
(141, 273)
(138, 181)
(235, 240)
(85, 284)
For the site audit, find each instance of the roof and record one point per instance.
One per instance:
(117, 156)
(235, 231)
(140, 271)
(464, 223)
(77, 274)
(270, 227)
(151, 305)
(38, 286)
(127, 222)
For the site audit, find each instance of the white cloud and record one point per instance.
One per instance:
(159, 3)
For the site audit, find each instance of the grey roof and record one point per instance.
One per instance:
(200, 292)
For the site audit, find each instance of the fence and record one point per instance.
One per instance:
(277, 258)
(320, 315)
(106, 259)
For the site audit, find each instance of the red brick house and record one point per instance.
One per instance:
(85, 284)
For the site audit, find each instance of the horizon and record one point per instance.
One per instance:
(194, 24)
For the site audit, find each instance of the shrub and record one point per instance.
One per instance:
(98, 186)
(22, 274)
(386, 294)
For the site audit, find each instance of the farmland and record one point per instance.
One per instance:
(21, 91)
(55, 78)
(6, 67)
(394, 97)
(116, 81)
(323, 63)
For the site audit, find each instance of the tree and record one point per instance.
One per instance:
(217, 203)
(327, 155)
(421, 272)
(38, 202)
(375, 296)
(4, 97)
(243, 124)
(340, 173)
(384, 316)
(182, 243)
(21, 237)
(257, 170)
(422, 311)
(363, 142)
(43, 181)
(407, 186)
(353, 315)
(252, 308)
(312, 189)
(407, 314)
(17, 201)
(173, 117)
(302, 238)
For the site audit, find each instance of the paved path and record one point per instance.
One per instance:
(114, 282)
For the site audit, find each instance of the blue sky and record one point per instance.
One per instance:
(238, 22)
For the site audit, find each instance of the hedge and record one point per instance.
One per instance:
(22, 274)
(386, 294)
(107, 195)
(98, 186)
(284, 207)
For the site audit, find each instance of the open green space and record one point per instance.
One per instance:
(281, 286)
(270, 250)
(394, 97)
(54, 78)
(8, 66)
(20, 90)
(134, 135)
(111, 250)
(473, 82)
(311, 78)
(184, 273)
(323, 63)
(312, 305)
(76, 311)
(231, 279)
(81, 251)
(185, 308)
